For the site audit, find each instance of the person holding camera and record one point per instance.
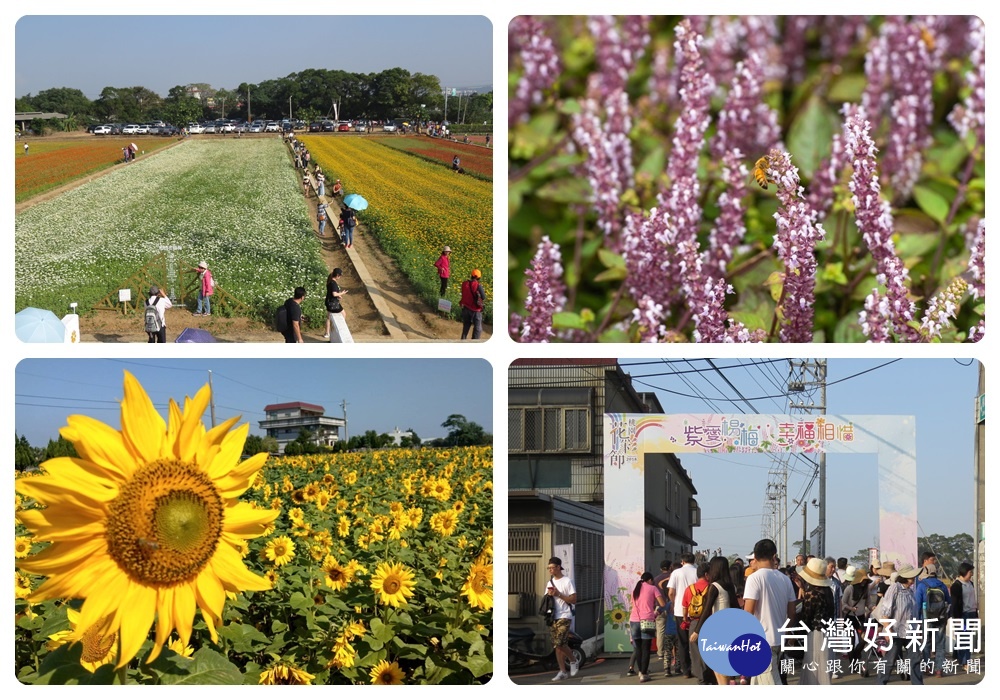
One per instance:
(563, 592)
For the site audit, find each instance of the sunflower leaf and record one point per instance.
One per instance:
(206, 667)
(62, 667)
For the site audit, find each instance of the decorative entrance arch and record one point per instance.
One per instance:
(628, 437)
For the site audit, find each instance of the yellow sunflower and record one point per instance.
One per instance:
(343, 526)
(99, 648)
(280, 550)
(337, 576)
(22, 547)
(387, 674)
(478, 587)
(618, 616)
(280, 674)
(444, 523)
(178, 647)
(143, 522)
(393, 583)
(22, 586)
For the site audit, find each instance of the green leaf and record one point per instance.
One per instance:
(567, 320)
(62, 667)
(614, 335)
(381, 631)
(914, 221)
(568, 190)
(243, 636)
(916, 245)
(932, 203)
(810, 135)
(478, 665)
(834, 272)
(848, 330)
(206, 667)
(847, 88)
(299, 601)
(610, 259)
(611, 275)
(654, 163)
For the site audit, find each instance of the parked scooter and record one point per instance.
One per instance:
(522, 650)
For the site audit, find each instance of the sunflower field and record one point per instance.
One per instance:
(356, 568)
(416, 208)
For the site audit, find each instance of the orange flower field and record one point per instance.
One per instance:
(475, 159)
(52, 163)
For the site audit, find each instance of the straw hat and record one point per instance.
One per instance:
(814, 572)
(908, 571)
(887, 569)
(854, 575)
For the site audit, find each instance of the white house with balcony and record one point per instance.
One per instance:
(284, 422)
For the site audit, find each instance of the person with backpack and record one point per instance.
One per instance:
(677, 584)
(473, 302)
(934, 604)
(321, 216)
(291, 325)
(693, 605)
(562, 590)
(720, 595)
(348, 220)
(206, 288)
(155, 321)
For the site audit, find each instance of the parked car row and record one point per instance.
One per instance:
(158, 129)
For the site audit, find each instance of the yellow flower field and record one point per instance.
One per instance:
(415, 209)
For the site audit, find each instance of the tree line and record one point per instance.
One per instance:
(461, 433)
(310, 94)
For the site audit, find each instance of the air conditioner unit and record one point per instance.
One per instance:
(659, 537)
(513, 606)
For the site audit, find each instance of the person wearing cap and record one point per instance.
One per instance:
(206, 288)
(936, 618)
(562, 590)
(161, 302)
(770, 597)
(818, 607)
(900, 609)
(473, 302)
(443, 266)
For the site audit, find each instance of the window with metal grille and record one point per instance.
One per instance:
(549, 429)
(524, 539)
(521, 579)
(588, 559)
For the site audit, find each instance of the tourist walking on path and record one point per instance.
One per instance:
(770, 597)
(305, 183)
(646, 599)
(677, 584)
(720, 596)
(900, 606)
(443, 266)
(333, 295)
(293, 312)
(818, 608)
(563, 592)
(473, 302)
(321, 216)
(964, 607)
(206, 288)
(348, 221)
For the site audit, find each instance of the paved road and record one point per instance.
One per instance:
(611, 671)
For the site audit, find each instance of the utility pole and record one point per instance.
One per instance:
(211, 396)
(808, 377)
(343, 406)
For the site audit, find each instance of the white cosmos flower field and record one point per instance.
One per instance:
(236, 204)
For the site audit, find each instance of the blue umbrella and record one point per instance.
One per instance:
(39, 326)
(356, 202)
(195, 335)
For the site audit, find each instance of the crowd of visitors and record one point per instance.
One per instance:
(824, 619)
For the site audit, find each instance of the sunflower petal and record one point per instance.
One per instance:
(184, 605)
(189, 437)
(221, 448)
(100, 444)
(245, 521)
(135, 617)
(142, 427)
(233, 573)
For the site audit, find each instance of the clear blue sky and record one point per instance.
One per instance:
(158, 52)
(381, 394)
(731, 489)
